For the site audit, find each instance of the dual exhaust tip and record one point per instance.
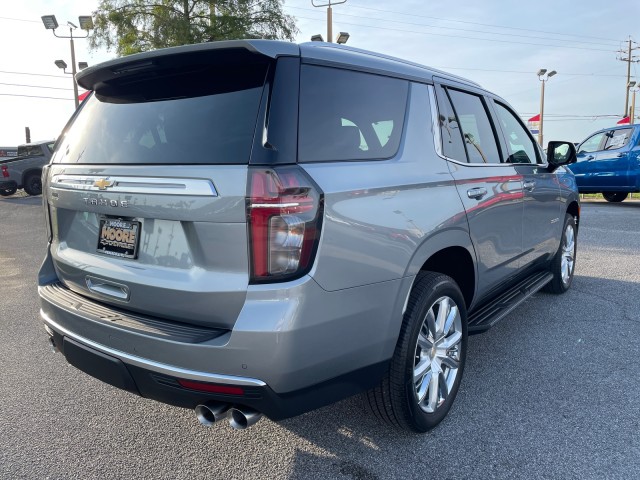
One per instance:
(240, 418)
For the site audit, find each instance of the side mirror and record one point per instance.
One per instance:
(560, 153)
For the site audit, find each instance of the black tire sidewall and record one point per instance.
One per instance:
(615, 197)
(557, 285)
(421, 420)
(33, 185)
(7, 192)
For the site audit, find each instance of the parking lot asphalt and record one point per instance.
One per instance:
(550, 392)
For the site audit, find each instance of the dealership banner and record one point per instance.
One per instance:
(534, 124)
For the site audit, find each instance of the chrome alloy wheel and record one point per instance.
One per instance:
(437, 356)
(568, 251)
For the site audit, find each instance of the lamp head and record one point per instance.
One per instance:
(50, 22)
(342, 38)
(86, 22)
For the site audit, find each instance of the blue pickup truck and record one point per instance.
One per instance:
(609, 163)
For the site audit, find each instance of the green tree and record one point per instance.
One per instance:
(132, 26)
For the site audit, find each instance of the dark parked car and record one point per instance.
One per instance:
(258, 227)
(609, 163)
(25, 170)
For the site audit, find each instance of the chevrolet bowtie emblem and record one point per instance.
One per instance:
(103, 183)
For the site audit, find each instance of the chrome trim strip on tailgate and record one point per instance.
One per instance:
(143, 185)
(155, 366)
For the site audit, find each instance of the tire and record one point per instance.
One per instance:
(410, 396)
(615, 197)
(33, 184)
(563, 264)
(5, 192)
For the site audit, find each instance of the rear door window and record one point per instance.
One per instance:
(477, 131)
(452, 143)
(617, 138)
(347, 115)
(203, 116)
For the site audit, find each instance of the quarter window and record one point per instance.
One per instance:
(477, 131)
(521, 148)
(347, 115)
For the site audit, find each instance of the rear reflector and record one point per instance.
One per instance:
(210, 387)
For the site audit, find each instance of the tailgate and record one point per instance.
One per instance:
(172, 245)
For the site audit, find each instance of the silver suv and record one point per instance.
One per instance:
(257, 227)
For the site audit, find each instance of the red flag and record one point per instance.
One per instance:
(83, 95)
(624, 121)
(535, 118)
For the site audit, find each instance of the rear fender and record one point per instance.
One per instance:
(454, 237)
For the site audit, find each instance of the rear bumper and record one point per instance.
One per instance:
(291, 349)
(161, 382)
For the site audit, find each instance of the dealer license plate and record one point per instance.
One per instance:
(118, 238)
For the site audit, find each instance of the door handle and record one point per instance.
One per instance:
(476, 193)
(530, 185)
(621, 154)
(590, 157)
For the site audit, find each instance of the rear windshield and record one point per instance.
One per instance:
(203, 117)
(31, 150)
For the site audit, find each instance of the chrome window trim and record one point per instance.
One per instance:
(139, 185)
(437, 139)
(152, 365)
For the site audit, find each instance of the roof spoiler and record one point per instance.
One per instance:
(231, 51)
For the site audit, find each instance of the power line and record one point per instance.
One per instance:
(527, 72)
(34, 86)
(19, 19)
(556, 115)
(459, 29)
(482, 24)
(468, 38)
(35, 96)
(34, 74)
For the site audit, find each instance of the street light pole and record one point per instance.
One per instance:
(544, 79)
(86, 23)
(73, 69)
(633, 108)
(329, 15)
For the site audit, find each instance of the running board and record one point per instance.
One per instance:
(491, 313)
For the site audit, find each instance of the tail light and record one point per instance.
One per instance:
(5, 171)
(284, 209)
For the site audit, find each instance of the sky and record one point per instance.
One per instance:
(500, 44)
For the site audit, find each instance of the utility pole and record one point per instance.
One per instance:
(629, 58)
(329, 15)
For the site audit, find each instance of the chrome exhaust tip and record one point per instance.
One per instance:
(52, 344)
(242, 417)
(211, 412)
